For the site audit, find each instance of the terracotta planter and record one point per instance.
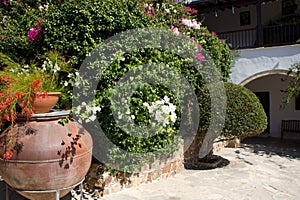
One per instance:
(50, 157)
(45, 104)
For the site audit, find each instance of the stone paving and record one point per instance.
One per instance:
(261, 168)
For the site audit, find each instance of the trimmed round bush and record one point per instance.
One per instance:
(245, 115)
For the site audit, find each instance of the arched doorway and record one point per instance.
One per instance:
(269, 86)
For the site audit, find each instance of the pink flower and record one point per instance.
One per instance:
(213, 33)
(40, 20)
(193, 38)
(150, 14)
(4, 2)
(32, 34)
(199, 46)
(200, 57)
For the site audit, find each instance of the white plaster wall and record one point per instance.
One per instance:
(256, 69)
(274, 85)
(255, 61)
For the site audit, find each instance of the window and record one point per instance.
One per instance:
(245, 18)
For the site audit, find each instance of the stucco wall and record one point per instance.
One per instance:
(274, 85)
(261, 70)
(253, 62)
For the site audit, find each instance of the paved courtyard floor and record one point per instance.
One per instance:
(262, 168)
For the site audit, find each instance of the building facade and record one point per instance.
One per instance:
(265, 34)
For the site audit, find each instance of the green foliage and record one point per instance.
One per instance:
(74, 28)
(293, 89)
(16, 20)
(245, 115)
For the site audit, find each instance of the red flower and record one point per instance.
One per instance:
(8, 155)
(36, 83)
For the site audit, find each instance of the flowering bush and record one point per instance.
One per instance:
(30, 29)
(149, 105)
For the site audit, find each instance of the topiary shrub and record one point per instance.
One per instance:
(245, 116)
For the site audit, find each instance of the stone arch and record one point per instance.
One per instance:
(263, 74)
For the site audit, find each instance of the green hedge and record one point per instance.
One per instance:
(245, 115)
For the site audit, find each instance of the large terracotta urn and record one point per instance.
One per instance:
(50, 158)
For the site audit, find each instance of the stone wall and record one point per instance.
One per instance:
(100, 183)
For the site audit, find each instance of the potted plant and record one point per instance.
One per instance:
(39, 156)
(29, 89)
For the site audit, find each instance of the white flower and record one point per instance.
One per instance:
(77, 111)
(96, 108)
(176, 31)
(173, 117)
(146, 104)
(77, 84)
(162, 111)
(132, 117)
(167, 99)
(172, 107)
(44, 67)
(119, 115)
(66, 83)
(56, 68)
(93, 117)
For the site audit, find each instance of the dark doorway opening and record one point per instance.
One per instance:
(264, 98)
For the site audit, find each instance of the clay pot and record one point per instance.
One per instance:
(49, 156)
(45, 104)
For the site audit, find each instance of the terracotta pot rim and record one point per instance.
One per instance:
(52, 115)
(52, 93)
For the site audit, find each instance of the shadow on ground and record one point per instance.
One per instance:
(273, 146)
(12, 195)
